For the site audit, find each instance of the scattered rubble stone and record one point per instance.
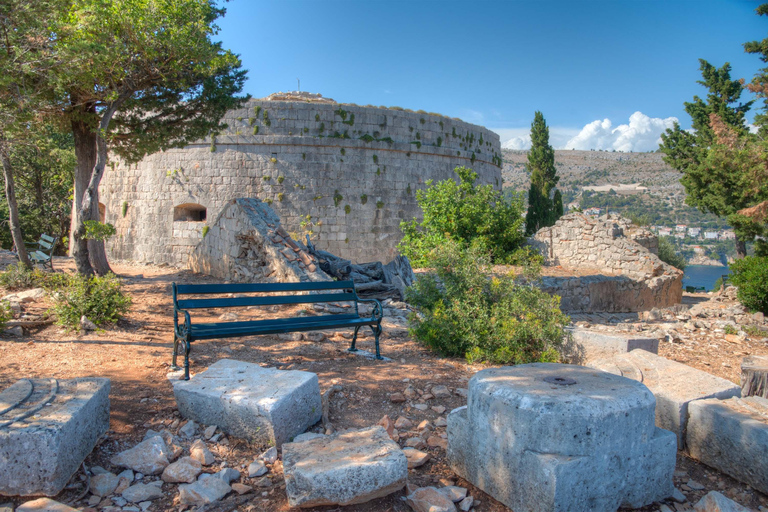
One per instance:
(184, 470)
(269, 456)
(713, 501)
(203, 491)
(256, 469)
(189, 429)
(441, 391)
(397, 398)
(44, 505)
(104, 484)
(150, 457)
(403, 423)
(416, 458)
(429, 499)
(306, 436)
(210, 431)
(200, 452)
(241, 488)
(454, 493)
(466, 504)
(144, 492)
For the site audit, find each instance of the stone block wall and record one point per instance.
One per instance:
(348, 174)
(617, 262)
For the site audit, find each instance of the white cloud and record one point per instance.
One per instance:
(520, 138)
(643, 133)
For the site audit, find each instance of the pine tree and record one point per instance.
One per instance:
(542, 211)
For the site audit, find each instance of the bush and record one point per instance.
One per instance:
(19, 277)
(751, 276)
(100, 299)
(5, 314)
(668, 255)
(502, 320)
(466, 214)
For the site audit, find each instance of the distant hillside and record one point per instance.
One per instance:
(587, 177)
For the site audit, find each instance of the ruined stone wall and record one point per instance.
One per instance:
(349, 174)
(617, 264)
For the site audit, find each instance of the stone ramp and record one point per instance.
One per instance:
(731, 436)
(675, 385)
(47, 428)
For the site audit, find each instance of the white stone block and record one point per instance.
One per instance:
(674, 384)
(47, 428)
(580, 440)
(263, 405)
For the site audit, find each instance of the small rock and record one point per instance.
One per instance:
(441, 422)
(665, 508)
(269, 456)
(466, 504)
(264, 481)
(386, 422)
(200, 452)
(150, 457)
(454, 493)
(421, 407)
(228, 316)
(696, 486)
(429, 499)
(439, 409)
(403, 423)
(203, 492)
(241, 488)
(92, 502)
(184, 470)
(229, 475)
(104, 484)
(713, 501)
(98, 470)
(397, 398)
(437, 442)
(416, 458)
(17, 331)
(410, 392)
(44, 505)
(441, 391)
(424, 424)
(678, 496)
(314, 336)
(87, 325)
(256, 468)
(209, 432)
(306, 436)
(415, 442)
(189, 429)
(144, 505)
(143, 492)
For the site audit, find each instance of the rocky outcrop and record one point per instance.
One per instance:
(246, 243)
(616, 262)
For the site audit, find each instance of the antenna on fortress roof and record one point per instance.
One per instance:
(299, 81)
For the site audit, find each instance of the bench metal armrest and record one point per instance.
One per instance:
(377, 308)
(186, 329)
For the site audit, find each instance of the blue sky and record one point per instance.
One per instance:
(496, 63)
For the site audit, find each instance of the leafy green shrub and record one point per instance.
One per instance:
(100, 299)
(729, 329)
(18, 277)
(464, 313)
(718, 284)
(668, 255)
(751, 276)
(6, 313)
(466, 214)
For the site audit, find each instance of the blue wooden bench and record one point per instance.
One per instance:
(267, 294)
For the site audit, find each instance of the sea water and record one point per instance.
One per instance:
(703, 275)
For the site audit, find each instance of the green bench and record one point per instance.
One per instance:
(41, 253)
(266, 294)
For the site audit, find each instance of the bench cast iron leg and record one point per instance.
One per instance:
(174, 366)
(354, 340)
(376, 333)
(187, 348)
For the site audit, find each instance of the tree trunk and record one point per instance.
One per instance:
(85, 153)
(13, 209)
(741, 249)
(754, 376)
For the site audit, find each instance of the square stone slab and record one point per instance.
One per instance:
(675, 385)
(343, 469)
(47, 428)
(592, 345)
(263, 405)
(731, 436)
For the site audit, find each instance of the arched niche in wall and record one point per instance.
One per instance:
(189, 212)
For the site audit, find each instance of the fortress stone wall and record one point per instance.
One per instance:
(346, 173)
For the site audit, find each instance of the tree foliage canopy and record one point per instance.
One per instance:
(543, 209)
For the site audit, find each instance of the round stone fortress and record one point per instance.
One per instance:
(346, 174)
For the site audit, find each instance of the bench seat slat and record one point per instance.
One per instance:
(45, 244)
(47, 238)
(39, 256)
(269, 321)
(186, 289)
(231, 302)
(275, 328)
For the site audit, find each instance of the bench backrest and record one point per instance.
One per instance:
(345, 291)
(46, 242)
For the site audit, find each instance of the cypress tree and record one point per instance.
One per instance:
(542, 211)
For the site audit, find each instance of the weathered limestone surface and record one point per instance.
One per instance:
(627, 274)
(308, 159)
(674, 384)
(47, 428)
(589, 345)
(246, 243)
(45, 505)
(587, 445)
(263, 405)
(343, 469)
(731, 436)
